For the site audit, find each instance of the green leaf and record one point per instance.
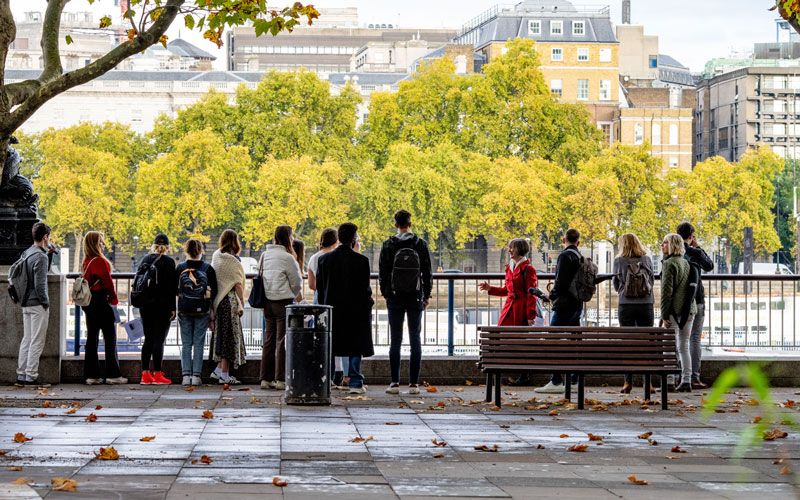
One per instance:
(105, 22)
(726, 381)
(68, 39)
(759, 382)
(189, 20)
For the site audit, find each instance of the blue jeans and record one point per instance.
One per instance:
(564, 318)
(193, 337)
(354, 372)
(398, 310)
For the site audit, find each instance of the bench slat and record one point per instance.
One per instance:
(585, 355)
(582, 362)
(577, 344)
(567, 335)
(584, 329)
(582, 369)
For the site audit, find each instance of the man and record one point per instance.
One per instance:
(343, 282)
(698, 258)
(35, 306)
(405, 279)
(566, 308)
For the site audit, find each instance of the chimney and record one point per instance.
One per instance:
(626, 11)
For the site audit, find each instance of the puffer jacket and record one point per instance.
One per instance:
(281, 274)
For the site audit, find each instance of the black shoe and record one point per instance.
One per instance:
(36, 383)
(520, 381)
(20, 382)
(684, 387)
(338, 378)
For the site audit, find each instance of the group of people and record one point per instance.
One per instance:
(205, 296)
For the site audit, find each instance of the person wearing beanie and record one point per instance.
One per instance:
(157, 311)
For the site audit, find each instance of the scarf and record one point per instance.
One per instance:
(229, 273)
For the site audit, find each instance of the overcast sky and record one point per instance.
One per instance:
(692, 31)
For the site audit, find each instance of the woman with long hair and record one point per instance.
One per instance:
(328, 241)
(674, 296)
(96, 270)
(633, 280)
(283, 284)
(228, 307)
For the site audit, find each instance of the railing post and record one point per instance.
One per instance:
(77, 330)
(451, 311)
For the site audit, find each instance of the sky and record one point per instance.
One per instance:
(691, 31)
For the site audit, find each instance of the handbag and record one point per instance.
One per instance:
(258, 298)
(134, 329)
(81, 290)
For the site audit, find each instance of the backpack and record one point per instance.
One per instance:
(145, 284)
(406, 275)
(582, 286)
(18, 280)
(81, 290)
(194, 296)
(637, 283)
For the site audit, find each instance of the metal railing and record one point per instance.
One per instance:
(742, 313)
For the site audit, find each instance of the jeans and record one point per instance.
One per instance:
(193, 338)
(695, 341)
(273, 352)
(682, 339)
(563, 318)
(635, 315)
(354, 372)
(100, 316)
(155, 323)
(339, 362)
(34, 327)
(398, 310)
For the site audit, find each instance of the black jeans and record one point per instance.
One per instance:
(398, 310)
(635, 315)
(100, 316)
(564, 318)
(155, 323)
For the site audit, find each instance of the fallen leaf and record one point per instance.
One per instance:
(243, 389)
(147, 438)
(637, 481)
(254, 400)
(46, 404)
(483, 447)
(785, 470)
(205, 460)
(432, 389)
(22, 480)
(719, 410)
(505, 426)
(653, 442)
(63, 484)
(189, 389)
(564, 436)
(226, 387)
(199, 400)
(415, 402)
(756, 420)
(439, 443)
(15, 468)
(107, 454)
(788, 404)
(439, 455)
(468, 382)
(753, 402)
(458, 389)
(539, 446)
(361, 439)
(208, 414)
(98, 407)
(441, 403)
(578, 447)
(553, 413)
(2, 452)
(394, 423)
(775, 434)
(598, 408)
(91, 418)
(530, 408)
(21, 438)
(357, 398)
(592, 437)
(277, 482)
(495, 408)
(39, 415)
(71, 411)
(677, 449)
(672, 457)
(645, 435)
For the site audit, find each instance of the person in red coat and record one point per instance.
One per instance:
(520, 306)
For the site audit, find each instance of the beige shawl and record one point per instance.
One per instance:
(229, 273)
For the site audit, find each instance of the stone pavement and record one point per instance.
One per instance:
(252, 438)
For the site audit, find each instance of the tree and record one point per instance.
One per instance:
(18, 101)
(790, 11)
(198, 186)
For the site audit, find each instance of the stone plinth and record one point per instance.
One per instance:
(11, 331)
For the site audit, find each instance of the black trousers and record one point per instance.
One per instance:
(100, 317)
(155, 323)
(635, 315)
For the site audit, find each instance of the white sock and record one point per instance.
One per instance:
(224, 375)
(217, 371)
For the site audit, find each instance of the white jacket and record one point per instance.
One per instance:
(281, 274)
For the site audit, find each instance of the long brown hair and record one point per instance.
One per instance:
(299, 253)
(91, 246)
(229, 242)
(630, 246)
(283, 237)
(193, 249)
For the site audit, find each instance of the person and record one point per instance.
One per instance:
(283, 283)
(228, 308)
(633, 281)
(197, 289)
(566, 308)
(404, 270)
(520, 306)
(328, 241)
(96, 270)
(35, 303)
(343, 282)
(300, 256)
(675, 291)
(159, 314)
(698, 258)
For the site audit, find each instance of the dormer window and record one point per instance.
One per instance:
(556, 27)
(534, 28)
(578, 28)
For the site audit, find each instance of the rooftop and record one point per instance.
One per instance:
(155, 76)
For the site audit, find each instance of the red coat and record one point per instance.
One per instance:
(520, 306)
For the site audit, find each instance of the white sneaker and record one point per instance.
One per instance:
(117, 380)
(94, 381)
(215, 374)
(265, 385)
(187, 380)
(196, 380)
(231, 380)
(550, 388)
(413, 389)
(358, 390)
(393, 389)
(280, 385)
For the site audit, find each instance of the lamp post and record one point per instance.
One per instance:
(135, 249)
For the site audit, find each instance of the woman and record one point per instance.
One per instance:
(228, 308)
(674, 294)
(158, 315)
(300, 256)
(633, 280)
(96, 270)
(194, 309)
(283, 284)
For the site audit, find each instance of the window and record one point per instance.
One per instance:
(534, 28)
(779, 129)
(556, 27)
(673, 162)
(557, 54)
(556, 86)
(675, 95)
(638, 134)
(673, 134)
(583, 54)
(605, 90)
(653, 62)
(578, 28)
(656, 132)
(583, 90)
(605, 55)
(606, 128)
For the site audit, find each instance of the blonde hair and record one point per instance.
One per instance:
(630, 246)
(91, 246)
(674, 244)
(160, 249)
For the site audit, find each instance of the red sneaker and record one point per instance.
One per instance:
(160, 379)
(147, 378)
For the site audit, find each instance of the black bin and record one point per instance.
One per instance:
(308, 354)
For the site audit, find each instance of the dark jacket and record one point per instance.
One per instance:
(343, 282)
(698, 258)
(197, 264)
(167, 287)
(386, 263)
(566, 267)
(37, 265)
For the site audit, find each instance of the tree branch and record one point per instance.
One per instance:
(51, 33)
(8, 31)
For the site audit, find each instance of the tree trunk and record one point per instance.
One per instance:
(76, 266)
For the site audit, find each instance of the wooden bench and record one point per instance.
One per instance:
(577, 350)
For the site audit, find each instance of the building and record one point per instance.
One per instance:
(390, 57)
(366, 84)
(668, 130)
(178, 55)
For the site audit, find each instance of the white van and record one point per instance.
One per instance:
(767, 268)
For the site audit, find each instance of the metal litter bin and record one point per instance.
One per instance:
(308, 354)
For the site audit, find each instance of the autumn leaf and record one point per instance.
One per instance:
(2, 452)
(46, 404)
(361, 439)
(645, 435)
(105, 22)
(226, 387)
(468, 382)
(16, 468)
(21, 438)
(653, 442)
(505, 426)
(147, 438)
(254, 400)
(578, 447)
(91, 418)
(70, 412)
(553, 413)
(677, 449)
(592, 437)
(564, 436)
(756, 420)
(539, 446)
(494, 408)
(243, 389)
(205, 460)
(441, 403)
(775, 434)
(98, 407)
(277, 482)
(637, 481)
(131, 34)
(483, 447)
(439, 443)
(189, 389)
(208, 414)
(39, 415)
(439, 455)
(163, 40)
(785, 470)
(672, 457)
(432, 389)
(753, 402)
(394, 423)
(63, 484)
(107, 454)
(788, 404)
(22, 480)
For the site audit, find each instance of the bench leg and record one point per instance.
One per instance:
(498, 380)
(647, 387)
(489, 386)
(568, 387)
(664, 392)
(580, 392)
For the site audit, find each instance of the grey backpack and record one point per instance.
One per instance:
(18, 279)
(582, 286)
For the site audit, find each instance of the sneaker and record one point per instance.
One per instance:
(550, 388)
(340, 387)
(147, 378)
(280, 385)
(160, 379)
(20, 382)
(338, 378)
(394, 388)
(94, 381)
(186, 381)
(116, 380)
(413, 389)
(197, 380)
(36, 383)
(215, 375)
(231, 380)
(265, 385)
(358, 390)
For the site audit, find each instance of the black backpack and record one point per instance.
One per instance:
(194, 296)
(145, 284)
(406, 275)
(583, 285)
